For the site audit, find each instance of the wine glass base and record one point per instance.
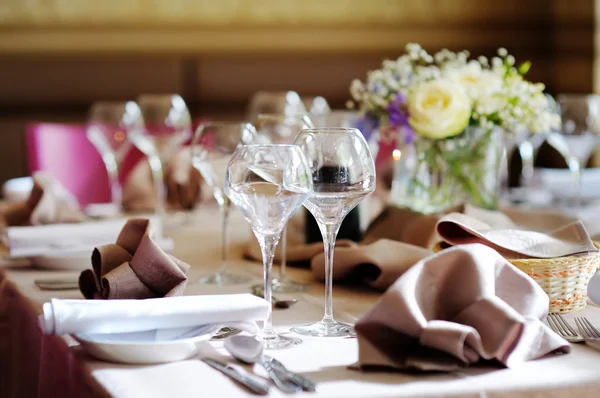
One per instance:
(325, 329)
(280, 342)
(284, 285)
(224, 278)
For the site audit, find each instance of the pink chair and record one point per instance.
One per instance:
(64, 151)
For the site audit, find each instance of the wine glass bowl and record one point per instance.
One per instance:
(268, 183)
(213, 146)
(107, 127)
(343, 174)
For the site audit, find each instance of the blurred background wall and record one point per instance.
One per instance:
(57, 56)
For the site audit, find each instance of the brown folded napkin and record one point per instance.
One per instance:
(182, 182)
(48, 203)
(514, 241)
(135, 267)
(378, 264)
(455, 308)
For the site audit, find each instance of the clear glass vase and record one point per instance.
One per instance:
(457, 170)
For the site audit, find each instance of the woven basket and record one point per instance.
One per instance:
(564, 279)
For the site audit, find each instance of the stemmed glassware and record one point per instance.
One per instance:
(268, 183)
(107, 130)
(580, 116)
(212, 148)
(164, 125)
(343, 175)
(282, 129)
(275, 102)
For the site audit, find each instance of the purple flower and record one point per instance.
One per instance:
(367, 124)
(398, 117)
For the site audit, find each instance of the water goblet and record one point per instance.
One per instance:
(343, 174)
(164, 126)
(106, 130)
(275, 102)
(282, 129)
(268, 183)
(213, 146)
(580, 116)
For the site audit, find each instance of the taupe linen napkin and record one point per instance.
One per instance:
(511, 240)
(182, 182)
(455, 308)
(135, 267)
(48, 203)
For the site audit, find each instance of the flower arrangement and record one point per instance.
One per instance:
(452, 107)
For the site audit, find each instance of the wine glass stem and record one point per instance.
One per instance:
(282, 269)
(329, 232)
(113, 175)
(159, 183)
(267, 247)
(224, 207)
(575, 168)
(527, 169)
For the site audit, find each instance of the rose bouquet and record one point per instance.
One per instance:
(455, 110)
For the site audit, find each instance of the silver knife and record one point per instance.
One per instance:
(253, 383)
(304, 382)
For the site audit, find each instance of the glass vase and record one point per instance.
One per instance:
(462, 169)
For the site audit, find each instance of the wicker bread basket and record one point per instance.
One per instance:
(564, 279)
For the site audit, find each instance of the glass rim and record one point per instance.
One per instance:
(328, 129)
(268, 146)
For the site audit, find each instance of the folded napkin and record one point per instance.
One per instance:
(135, 267)
(455, 308)
(182, 182)
(48, 203)
(513, 241)
(44, 239)
(122, 316)
(378, 264)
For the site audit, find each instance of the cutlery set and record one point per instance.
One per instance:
(587, 334)
(249, 350)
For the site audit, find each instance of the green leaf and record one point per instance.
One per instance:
(524, 68)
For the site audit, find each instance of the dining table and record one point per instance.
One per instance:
(35, 365)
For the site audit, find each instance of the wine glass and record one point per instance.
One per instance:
(275, 102)
(212, 148)
(165, 126)
(343, 175)
(282, 129)
(268, 183)
(580, 116)
(106, 129)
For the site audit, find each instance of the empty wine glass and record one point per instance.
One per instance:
(166, 126)
(107, 130)
(268, 183)
(343, 174)
(580, 116)
(282, 129)
(275, 102)
(212, 148)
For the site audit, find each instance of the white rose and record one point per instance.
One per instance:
(439, 109)
(478, 83)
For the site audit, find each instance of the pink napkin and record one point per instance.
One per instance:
(182, 182)
(135, 267)
(48, 203)
(455, 308)
(513, 241)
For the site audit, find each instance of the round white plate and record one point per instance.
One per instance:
(561, 184)
(79, 259)
(147, 347)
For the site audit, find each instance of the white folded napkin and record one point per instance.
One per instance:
(46, 239)
(123, 316)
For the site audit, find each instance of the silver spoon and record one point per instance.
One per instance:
(249, 350)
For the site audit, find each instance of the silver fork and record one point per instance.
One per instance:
(563, 329)
(587, 330)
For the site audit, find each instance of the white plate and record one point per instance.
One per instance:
(79, 259)
(147, 347)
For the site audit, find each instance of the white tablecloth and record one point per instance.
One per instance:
(324, 359)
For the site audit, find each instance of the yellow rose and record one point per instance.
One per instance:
(439, 109)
